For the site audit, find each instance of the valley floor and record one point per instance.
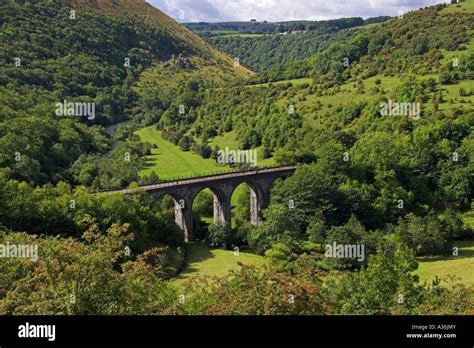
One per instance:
(169, 161)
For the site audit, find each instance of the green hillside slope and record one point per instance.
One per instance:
(264, 52)
(151, 16)
(93, 52)
(388, 60)
(395, 46)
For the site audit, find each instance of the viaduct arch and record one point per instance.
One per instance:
(222, 186)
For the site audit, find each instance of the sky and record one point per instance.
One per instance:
(283, 10)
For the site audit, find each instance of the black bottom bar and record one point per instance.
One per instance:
(239, 331)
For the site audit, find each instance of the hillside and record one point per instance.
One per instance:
(382, 60)
(293, 41)
(95, 55)
(151, 16)
(394, 46)
(425, 60)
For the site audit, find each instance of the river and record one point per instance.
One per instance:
(112, 130)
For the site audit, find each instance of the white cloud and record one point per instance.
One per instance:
(282, 10)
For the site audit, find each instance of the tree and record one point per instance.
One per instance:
(351, 233)
(386, 286)
(430, 235)
(277, 227)
(185, 143)
(312, 188)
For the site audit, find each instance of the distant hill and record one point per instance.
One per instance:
(415, 44)
(261, 46)
(263, 27)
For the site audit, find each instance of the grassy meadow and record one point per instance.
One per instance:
(461, 266)
(169, 161)
(203, 260)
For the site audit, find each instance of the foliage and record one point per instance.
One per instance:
(431, 235)
(395, 184)
(219, 234)
(61, 210)
(256, 291)
(62, 59)
(387, 286)
(72, 277)
(276, 228)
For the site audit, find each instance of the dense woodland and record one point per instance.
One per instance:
(78, 60)
(398, 185)
(262, 53)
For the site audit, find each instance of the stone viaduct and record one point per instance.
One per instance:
(222, 186)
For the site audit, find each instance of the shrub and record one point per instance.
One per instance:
(219, 234)
(256, 291)
(430, 235)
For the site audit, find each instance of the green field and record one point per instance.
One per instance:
(230, 140)
(208, 262)
(466, 6)
(224, 32)
(295, 82)
(461, 266)
(247, 35)
(230, 33)
(168, 161)
(205, 261)
(233, 33)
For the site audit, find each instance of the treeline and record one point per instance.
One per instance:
(67, 211)
(329, 25)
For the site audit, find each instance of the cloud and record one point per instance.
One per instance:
(283, 10)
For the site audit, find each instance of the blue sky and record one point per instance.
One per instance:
(283, 10)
